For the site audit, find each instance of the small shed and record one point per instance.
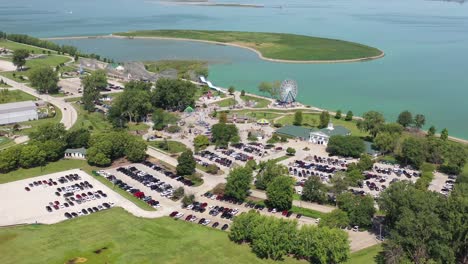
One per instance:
(79, 153)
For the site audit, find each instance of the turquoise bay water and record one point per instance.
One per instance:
(426, 45)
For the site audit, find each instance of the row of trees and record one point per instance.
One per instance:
(274, 238)
(346, 146)
(47, 143)
(324, 118)
(64, 49)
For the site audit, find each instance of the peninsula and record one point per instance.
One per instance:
(276, 47)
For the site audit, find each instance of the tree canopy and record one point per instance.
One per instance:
(348, 146)
(44, 79)
(92, 85)
(186, 163)
(238, 183)
(173, 94)
(19, 58)
(280, 193)
(371, 122)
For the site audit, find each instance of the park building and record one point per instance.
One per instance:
(79, 153)
(18, 112)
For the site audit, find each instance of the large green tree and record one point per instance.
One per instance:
(414, 151)
(314, 190)
(405, 118)
(386, 142)
(322, 245)
(135, 150)
(268, 171)
(360, 209)
(44, 79)
(92, 85)
(243, 226)
(19, 58)
(297, 118)
(32, 156)
(238, 183)
(49, 131)
(419, 121)
(161, 119)
(372, 122)
(273, 238)
(9, 159)
(324, 119)
(222, 134)
(173, 94)
(348, 146)
(280, 193)
(201, 142)
(335, 219)
(186, 163)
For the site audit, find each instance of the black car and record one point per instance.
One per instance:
(48, 208)
(68, 215)
(298, 216)
(74, 214)
(84, 211)
(225, 226)
(216, 224)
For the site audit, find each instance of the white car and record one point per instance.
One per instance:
(179, 215)
(317, 220)
(189, 207)
(213, 197)
(207, 221)
(355, 228)
(193, 219)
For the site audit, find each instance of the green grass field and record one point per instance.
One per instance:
(273, 45)
(137, 127)
(49, 60)
(5, 142)
(183, 67)
(51, 167)
(115, 236)
(307, 212)
(14, 46)
(259, 114)
(94, 120)
(11, 96)
(366, 255)
(174, 146)
(226, 102)
(312, 120)
(261, 103)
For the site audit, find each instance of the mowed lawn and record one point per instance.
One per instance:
(94, 121)
(273, 45)
(313, 120)
(51, 167)
(174, 146)
(365, 256)
(11, 96)
(115, 236)
(260, 102)
(226, 102)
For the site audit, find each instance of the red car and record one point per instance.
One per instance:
(285, 212)
(173, 214)
(188, 218)
(203, 205)
(139, 195)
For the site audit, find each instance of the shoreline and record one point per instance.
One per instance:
(455, 139)
(259, 54)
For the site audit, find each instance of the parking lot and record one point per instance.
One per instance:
(47, 199)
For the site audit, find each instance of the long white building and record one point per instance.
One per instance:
(18, 112)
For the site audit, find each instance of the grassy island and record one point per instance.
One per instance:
(274, 46)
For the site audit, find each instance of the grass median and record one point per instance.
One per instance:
(307, 212)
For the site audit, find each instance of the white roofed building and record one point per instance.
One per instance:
(18, 112)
